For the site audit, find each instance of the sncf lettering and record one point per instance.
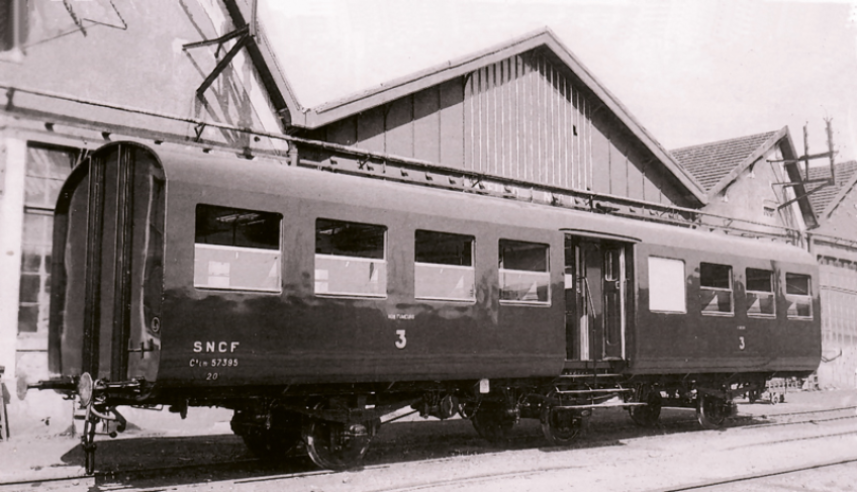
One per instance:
(215, 346)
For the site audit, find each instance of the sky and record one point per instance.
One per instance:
(690, 71)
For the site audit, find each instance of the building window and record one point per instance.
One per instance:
(46, 169)
(443, 266)
(760, 293)
(350, 259)
(715, 288)
(237, 249)
(666, 285)
(524, 272)
(798, 296)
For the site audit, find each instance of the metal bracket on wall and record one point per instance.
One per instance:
(244, 36)
(805, 158)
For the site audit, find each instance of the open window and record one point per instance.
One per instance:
(524, 272)
(715, 289)
(444, 266)
(350, 259)
(666, 285)
(237, 249)
(798, 295)
(761, 301)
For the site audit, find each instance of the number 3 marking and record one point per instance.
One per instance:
(402, 341)
(741, 344)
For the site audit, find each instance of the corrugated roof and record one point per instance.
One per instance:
(822, 198)
(710, 163)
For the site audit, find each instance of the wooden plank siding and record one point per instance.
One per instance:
(527, 118)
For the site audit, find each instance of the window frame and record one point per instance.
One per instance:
(771, 293)
(730, 290)
(683, 283)
(317, 280)
(806, 297)
(471, 269)
(500, 277)
(275, 253)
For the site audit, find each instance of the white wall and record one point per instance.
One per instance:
(13, 155)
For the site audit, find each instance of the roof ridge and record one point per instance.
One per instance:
(727, 140)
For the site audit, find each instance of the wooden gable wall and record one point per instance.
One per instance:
(526, 118)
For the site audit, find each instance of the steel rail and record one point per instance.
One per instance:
(755, 476)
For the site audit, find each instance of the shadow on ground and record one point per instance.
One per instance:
(145, 462)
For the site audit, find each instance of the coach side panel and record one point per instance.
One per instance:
(715, 312)
(336, 301)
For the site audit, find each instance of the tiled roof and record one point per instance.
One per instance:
(821, 199)
(710, 162)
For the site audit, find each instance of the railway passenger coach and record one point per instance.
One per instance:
(315, 303)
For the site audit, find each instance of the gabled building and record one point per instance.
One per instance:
(526, 110)
(740, 178)
(745, 178)
(834, 243)
(524, 116)
(830, 197)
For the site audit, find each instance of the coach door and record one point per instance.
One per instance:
(596, 283)
(105, 307)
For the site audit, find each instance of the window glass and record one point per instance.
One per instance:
(334, 237)
(797, 284)
(520, 255)
(715, 288)
(524, 274)
(760, 293)
(349, 259)
(444, 266)
(666, 285)
(237, 249)
(237, 227)
(443, 248)
(798, 295)
(759, 280)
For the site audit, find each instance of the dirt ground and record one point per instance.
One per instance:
(409, 449)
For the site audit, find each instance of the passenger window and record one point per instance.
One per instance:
(666, 285)
(444, 266)
(237, 249)
(715, 288)
(524, 272)
(350, 259)
(798, 296)
(760, 293)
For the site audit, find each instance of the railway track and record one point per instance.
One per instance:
(715, 484)
(251, 471)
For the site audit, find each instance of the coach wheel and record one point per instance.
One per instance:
(338, 446)
(711, 412)
(492, 422)
(561, 426)
(648, 414)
